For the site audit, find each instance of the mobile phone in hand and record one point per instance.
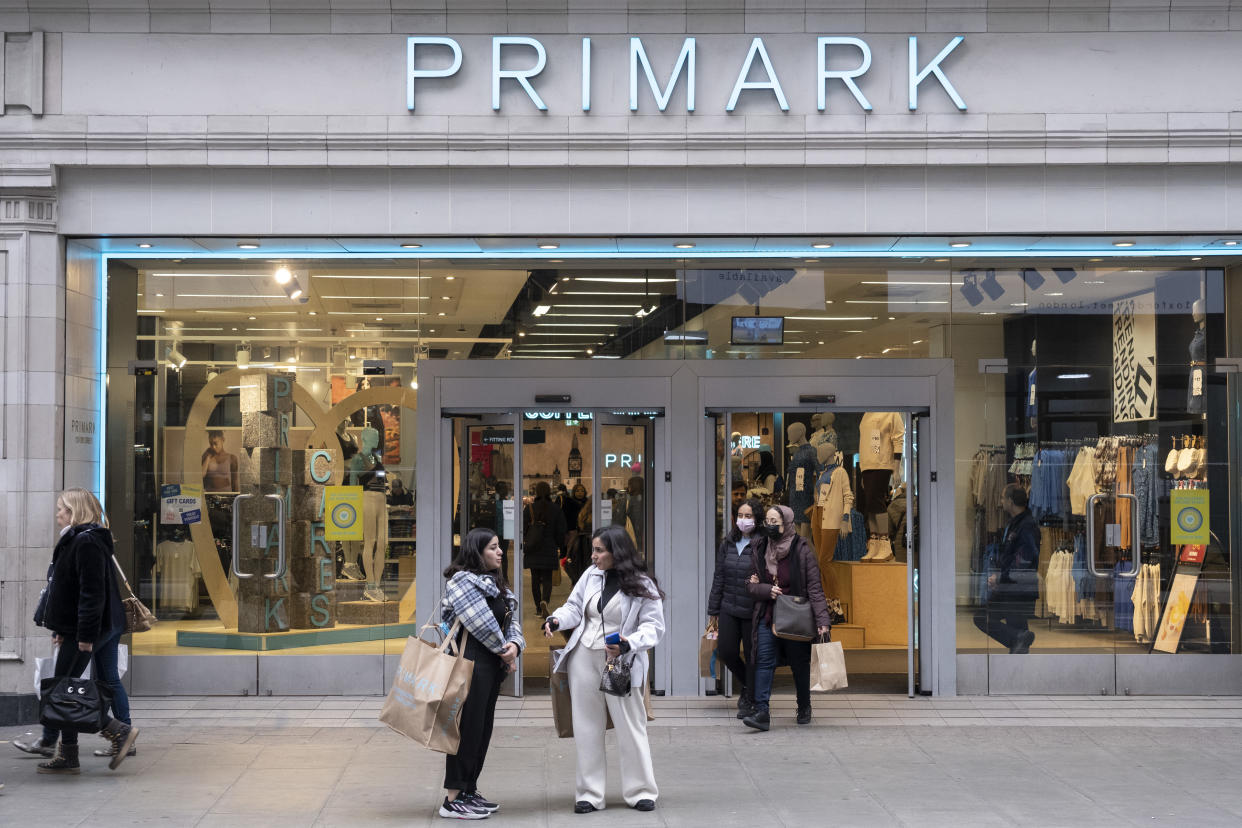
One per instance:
(613, 638)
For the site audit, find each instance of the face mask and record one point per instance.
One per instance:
(772, 532)
(745, 525)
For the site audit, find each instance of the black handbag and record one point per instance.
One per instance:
(792, 617)
(616, 678)
(41, 606)
(74, 704)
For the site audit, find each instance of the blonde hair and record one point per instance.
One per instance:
(83, 507)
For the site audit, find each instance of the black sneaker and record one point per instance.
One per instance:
(462, 808)
(804, 715)
(759, 720)
(1022, 644)
(745, 707)
(483, 802)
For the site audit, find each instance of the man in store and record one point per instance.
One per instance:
(739, 494)
(1012, 577)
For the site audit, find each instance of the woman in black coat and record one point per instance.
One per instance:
(730, 604)
(543, 540)
(86, 617)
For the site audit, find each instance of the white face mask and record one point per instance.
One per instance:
(745, 525)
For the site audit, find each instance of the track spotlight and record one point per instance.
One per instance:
(282, 275)
(292, 289)
(970, 290)
(1032, 278)
(175, 357)
(990, 286)
(243, 356)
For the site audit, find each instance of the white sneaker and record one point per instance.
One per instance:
(376, 595)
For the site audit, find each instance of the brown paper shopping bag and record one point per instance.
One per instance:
(428, 692)
(707, 653)
(562, 702)
(828, 667)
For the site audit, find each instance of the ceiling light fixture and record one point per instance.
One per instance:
(1123, 243)
(548, 245)
(292, 289)
(1231, 243)
(282, 276)
(1073, 376)
(175, 357)
(411, 246)
(959, 244)
(145, 245)
(540, 310)
(243, 356)
(821, 245)
(248, 245)
(684, 245)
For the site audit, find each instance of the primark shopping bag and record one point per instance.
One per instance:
(428, 692)
(563, 705)
(828, 667)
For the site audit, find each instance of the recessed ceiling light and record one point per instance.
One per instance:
(1123, 243)
(379, 319)
(684, 245)
(1095, 260)
(248, 245)
(449, 278)
(447, 298)
(548, 245)
(521, 333)
(160, 295)
(555, 261)
(821, 245)
(251, 318)
(811, 261)
(411, 246)
(821, 342)
(1231, 243)
(959, 244)
(988, 313)
(1196, 258)
(144, 245)
(941, 261)
(1056, 294)
(314, 313)
(441, 313)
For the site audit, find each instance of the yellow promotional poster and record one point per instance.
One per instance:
(1189, 508)
(342, 509)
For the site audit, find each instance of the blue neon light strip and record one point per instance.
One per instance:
(793, 253)
(102, 378)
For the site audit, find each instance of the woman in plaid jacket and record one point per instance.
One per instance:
(478, 596)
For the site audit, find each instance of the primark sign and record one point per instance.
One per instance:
(519, 62)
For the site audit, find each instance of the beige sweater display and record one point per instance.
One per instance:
(880, 438)
(836, 498)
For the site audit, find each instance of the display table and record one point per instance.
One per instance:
(874, 595)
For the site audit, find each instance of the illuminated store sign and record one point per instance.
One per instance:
(521, 60)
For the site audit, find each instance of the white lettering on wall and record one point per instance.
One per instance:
(522, 76)
(685, 61)
(772, 83)
(412, 73)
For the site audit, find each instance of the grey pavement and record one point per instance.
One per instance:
(869, 760)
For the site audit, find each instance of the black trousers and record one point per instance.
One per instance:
(733, 650)
(1003, 621)
(70, 662)
(461, 770)
(541, 585)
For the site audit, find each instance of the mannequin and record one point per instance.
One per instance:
(880, 438)
(833, 503)
(800, 477)
(735, 444)
(366, 471)
(823, 430)
(1195, 397)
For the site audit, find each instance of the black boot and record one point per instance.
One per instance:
(745, 706)
(804, 715)
(64, 761)
(122, 737)
(759, 720)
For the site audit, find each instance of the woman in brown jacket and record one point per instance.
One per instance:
(788, 567)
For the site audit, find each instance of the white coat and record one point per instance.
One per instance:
(642, 622)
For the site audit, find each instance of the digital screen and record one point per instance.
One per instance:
(758, 330)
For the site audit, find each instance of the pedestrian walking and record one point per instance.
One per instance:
(83, 610)
(543, 541)
(1013, 580)
(784, 565)
(478, 596)
(730, 604)
(615, 612)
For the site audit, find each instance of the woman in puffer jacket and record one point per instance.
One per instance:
(730, 605)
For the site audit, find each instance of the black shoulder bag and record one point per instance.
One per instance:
(792, 617)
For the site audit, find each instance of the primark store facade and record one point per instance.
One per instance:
(437, 257)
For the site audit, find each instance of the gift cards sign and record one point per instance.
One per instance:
(181, 505)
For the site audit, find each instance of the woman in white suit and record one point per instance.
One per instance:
(615, 595)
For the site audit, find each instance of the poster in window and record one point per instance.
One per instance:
(1176, 609)
(1134, 358)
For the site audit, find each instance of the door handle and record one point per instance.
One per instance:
(281, 563)
(1134, 536)
(1091, 534)
(237, 535)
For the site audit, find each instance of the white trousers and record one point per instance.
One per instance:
(374, 534)
(591, 708)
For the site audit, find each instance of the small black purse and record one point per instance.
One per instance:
(74, 704)
(616, 678)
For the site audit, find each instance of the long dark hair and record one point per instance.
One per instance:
(469, 557)
(631, 570)
(756, 510)
(767, 465)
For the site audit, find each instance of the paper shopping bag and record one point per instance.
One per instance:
(707, 654)
(828, 667)
(428, 692)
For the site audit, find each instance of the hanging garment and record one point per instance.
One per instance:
(1125, 506)
(176, 573)
(1146, 488)
(1081, 480)
(880, 438)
